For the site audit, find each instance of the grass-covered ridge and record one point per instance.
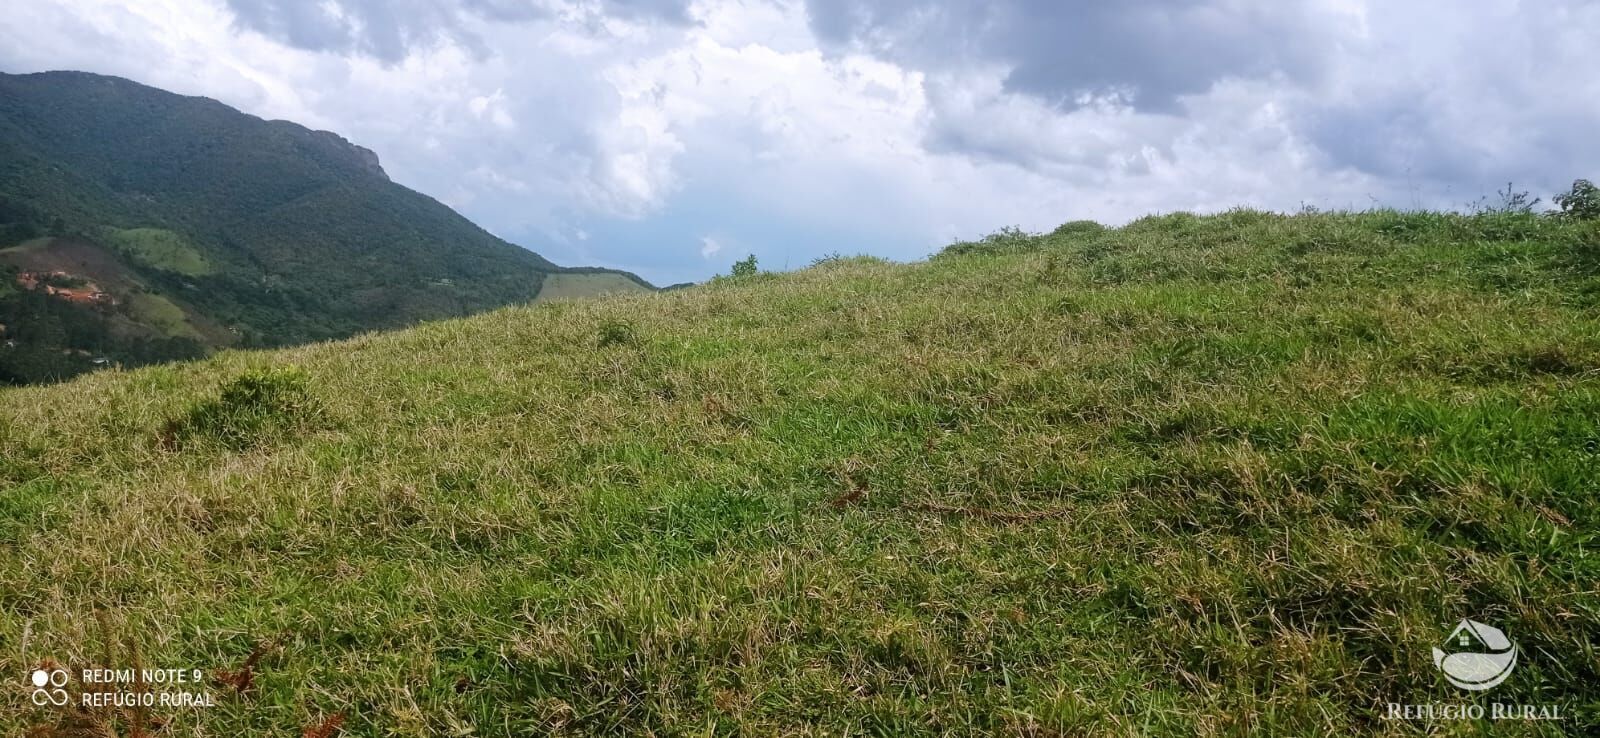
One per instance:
(1193, 476)
(572, 284)
(161, 249)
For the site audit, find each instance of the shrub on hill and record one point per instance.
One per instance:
(1581, 202)
(257, 405)
(1007, 240)
(745, 267)
(1078, 228)
(837, 259)
(617, 333)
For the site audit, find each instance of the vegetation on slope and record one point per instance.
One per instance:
(159, 249)
(47, 338)
(1193, 476)
(568, 285)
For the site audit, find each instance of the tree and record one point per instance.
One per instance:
(1582, 202)
(745, 267)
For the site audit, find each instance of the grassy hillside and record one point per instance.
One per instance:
(580, 284)
(1195, 476)
(160, 249)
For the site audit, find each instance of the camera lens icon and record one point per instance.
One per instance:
(48, 687)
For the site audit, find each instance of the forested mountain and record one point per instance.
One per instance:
(205, 226)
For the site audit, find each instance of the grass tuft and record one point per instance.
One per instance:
(617, 333)
(255, 406)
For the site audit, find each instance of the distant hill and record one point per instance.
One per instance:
(242, 231)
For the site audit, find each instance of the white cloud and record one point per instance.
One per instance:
(709, 247)
(546, 121)
(492, 108)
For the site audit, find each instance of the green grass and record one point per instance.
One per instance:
(161, 249)
(559, 286)
(1195, 476)
(159, 312)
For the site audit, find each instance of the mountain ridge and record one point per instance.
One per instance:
(279, 232)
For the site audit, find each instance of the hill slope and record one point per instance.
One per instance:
(279, 233)
(1195, 476)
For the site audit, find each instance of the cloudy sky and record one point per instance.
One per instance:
(672, 137)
